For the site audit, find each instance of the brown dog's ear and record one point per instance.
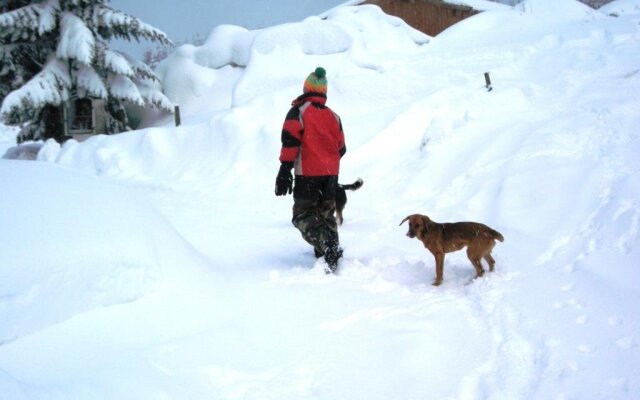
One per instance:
(426, 221)
(403, 221)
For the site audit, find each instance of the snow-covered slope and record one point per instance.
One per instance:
(227, 301)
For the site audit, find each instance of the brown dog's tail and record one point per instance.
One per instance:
(497, 235)
(353, 186)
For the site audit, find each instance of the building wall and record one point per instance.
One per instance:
(428, 16)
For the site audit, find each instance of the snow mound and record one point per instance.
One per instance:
(8, 136)
(151, 154)
(232, 58)
(557, 10)
(527, 22)
(91, 260)
(621, 7)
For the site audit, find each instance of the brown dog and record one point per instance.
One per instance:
(449, 237)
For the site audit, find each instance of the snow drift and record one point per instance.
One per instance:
(96, 245)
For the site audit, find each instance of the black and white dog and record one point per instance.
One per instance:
(341, 197)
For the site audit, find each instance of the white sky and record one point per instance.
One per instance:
(181, 20)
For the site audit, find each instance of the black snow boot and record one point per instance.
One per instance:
(332, 254)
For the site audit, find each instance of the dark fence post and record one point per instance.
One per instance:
(65, 118)
(487, 81)
(176, 113)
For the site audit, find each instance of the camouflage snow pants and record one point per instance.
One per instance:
(316, 222)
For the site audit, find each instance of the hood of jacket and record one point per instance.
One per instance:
(312, 97)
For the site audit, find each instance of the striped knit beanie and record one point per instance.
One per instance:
(316, 82)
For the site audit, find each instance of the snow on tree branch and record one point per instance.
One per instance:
(88, 80)
(48, 11)
(76, 40)
(117, 63)
(123, 88)
(111, 23)
(152, 94)
(49, 86)
(40, 18)
(141, 69)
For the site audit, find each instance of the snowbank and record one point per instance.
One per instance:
(7, 138)
(527, 22)
(230, 63)
(72, 243)
(621, 7)
(553, 11)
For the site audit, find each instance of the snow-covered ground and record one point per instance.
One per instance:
(158, 264)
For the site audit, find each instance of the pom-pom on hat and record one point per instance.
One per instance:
(316, 82)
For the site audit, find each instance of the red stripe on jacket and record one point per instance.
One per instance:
(312, 137)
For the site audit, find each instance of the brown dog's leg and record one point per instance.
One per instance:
(478, 266)
(490, 261)
(475, 258)
(439, 269)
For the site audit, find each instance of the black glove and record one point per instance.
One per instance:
(284, 181)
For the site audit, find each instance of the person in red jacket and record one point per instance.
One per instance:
(313, 144)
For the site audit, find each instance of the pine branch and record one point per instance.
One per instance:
(76, 40)
(123, 88)
(141, 69)
(88, 80)
(115, 24)
(150, 91)
(49, 86)
(30, 21)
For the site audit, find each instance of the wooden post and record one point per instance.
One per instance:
(487, 81)
(65, 118)
(176, 113)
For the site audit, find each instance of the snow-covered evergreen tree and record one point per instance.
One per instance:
(53, 50)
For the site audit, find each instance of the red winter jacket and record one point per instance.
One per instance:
(312, 137)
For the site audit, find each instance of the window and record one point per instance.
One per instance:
(82, 116)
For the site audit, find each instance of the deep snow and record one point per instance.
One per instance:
(158, 264)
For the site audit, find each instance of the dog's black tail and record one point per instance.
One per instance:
(353, 186)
